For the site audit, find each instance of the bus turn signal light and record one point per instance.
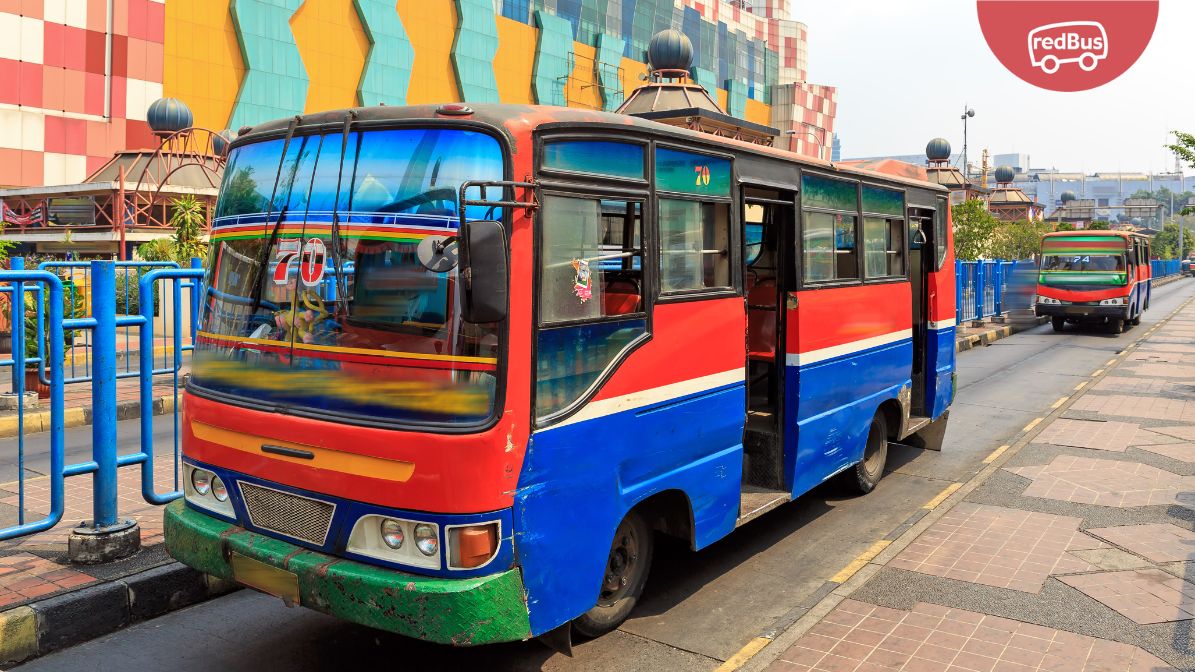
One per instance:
(472, 545)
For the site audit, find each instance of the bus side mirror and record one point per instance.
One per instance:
(484, 272)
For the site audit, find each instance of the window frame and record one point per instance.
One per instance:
(546, 171)
(803, 282)
(904, 219)
(734, 235)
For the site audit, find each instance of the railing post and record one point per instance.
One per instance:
(979, 290)
(958, 293)
(105, 537)
(998, 300)
(196, 263)
(18, 329)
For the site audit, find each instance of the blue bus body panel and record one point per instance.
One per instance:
(833, 402)
(579, 480)
(941, 351)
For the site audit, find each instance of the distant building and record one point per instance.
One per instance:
(836, 150)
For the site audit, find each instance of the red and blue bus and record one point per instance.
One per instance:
(1100, 277)
(459, 365)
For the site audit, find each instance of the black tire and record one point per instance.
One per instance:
(1115, 326)
(624, 579)
(1137, 319)
(870, 469)
(1058, 323)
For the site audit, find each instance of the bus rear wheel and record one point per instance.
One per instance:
(624, 579)
(871, 468)
(1058, 323)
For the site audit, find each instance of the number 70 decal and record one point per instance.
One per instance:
(311, 264)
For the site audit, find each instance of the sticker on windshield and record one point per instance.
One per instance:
(311, 268)
(287, 250)
(583, 283)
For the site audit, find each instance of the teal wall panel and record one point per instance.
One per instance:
(707, 79)
(275, 82)
(391, 56)
(552, 57)
(736, 98)
(608, 61)
(474, 49)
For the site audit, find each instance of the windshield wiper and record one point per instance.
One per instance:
(264, 260)
(342, 305)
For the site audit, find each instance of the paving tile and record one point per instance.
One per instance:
(1183, 452)
(1025, 647)
(1184, 432)
(1133, 385)
(996, 546)
(1159, 542)
(1086, 480)
(1148, 437)
(1162, 370)
(1140, 406)
(1093, 434)
(1143, 595)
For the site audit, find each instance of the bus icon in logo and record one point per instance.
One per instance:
(1082, 42)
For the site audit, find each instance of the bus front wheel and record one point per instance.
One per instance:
(871, 468)
(1058, 323)
(624, 579)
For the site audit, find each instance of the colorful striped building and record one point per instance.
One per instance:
(77, 76)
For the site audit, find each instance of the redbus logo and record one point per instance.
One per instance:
(1074, 45)
(1082, 42)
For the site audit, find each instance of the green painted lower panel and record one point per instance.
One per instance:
(461, 612)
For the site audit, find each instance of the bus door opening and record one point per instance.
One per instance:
(767, 222)
(921, 263)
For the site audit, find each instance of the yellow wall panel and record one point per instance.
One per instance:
(431, 25)
(334, 48)
(723, 98)
(515, 61)
(758, 112)
(631, 70)
(203, 65)
(582, 90)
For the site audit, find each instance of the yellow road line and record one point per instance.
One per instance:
(1080, 385)
(1061, 401)
(941, 496)
(1110, 362)
(744, 654)
(995, 453)
(1096, 372)
(1032, 424)
(860, 562)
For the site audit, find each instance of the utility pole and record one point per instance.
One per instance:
(967, 113)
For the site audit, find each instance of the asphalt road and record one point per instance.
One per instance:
(700, 608)
(77, 446)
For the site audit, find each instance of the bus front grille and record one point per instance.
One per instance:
(288, 514)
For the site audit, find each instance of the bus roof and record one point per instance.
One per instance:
(517, 118)
(1095, 232)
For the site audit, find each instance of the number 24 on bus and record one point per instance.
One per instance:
(553, 336)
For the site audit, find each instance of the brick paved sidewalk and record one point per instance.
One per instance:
(36, 566)
(1077, 553)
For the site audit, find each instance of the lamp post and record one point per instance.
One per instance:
(968, 112)
(820, 141)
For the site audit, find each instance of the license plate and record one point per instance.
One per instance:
(266, 578)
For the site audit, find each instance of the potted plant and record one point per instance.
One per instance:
(33, 345)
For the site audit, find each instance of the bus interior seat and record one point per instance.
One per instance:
(620, 297)
(761, 320)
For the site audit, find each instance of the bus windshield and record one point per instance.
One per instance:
(352, 326)
(1079, 261)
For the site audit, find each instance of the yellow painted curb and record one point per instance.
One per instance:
(744, 654)
(860, 562)
(941, 496)
(18, 634)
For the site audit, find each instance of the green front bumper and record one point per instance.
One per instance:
(462, 612)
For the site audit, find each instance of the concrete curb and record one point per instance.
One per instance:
(972, 341)
(781, 638)
(39, 421)
(93, 611)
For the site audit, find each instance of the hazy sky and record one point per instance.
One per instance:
(883, 56)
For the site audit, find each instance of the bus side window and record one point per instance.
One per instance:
(591, 302)
(940, 232)
(694, 245)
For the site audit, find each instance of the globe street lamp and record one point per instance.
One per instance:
(967, 114)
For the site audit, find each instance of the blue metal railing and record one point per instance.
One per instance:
(1164, 267)
(80, 305)
(991, 287)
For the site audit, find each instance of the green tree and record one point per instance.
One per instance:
(188, 219)
(974, 227)
(1017, 240)
(1064, 226)
(1165, 243)
(1184, 147)
(1099, 225)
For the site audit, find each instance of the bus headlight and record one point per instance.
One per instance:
(426, 539)
(392, 533)
(1118, 301)
(206, 490)
(1048, 301)
(385, 538)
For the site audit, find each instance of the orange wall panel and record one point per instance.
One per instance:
(431, 26)
(203, 65)
(333, 47)
(515, 61)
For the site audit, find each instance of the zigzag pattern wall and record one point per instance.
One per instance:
(241, 62)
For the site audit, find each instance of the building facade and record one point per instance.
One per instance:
(77, 76)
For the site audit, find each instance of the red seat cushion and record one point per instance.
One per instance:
(761, 320)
